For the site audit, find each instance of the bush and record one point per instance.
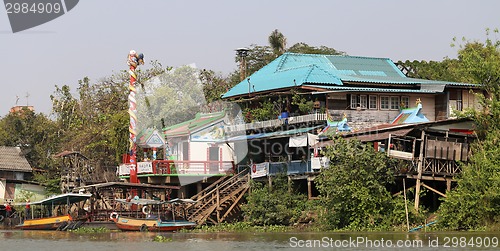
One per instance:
(353, 189)
(276, 206)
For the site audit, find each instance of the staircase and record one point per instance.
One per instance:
(219, 200)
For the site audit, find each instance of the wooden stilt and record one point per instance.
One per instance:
(406, 205)
(448, 184)
(198, 187)
(434, 190)
(419, 169)
(309, 188)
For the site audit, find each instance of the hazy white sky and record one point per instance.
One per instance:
(94, 38)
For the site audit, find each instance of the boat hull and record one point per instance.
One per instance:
(132, 224)
(48, 223)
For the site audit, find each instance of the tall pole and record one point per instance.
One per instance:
(133, 61)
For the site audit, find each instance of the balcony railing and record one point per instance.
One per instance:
(169, 167)
(276, 122)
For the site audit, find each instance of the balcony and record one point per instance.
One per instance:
(276, 122)
(179, 167)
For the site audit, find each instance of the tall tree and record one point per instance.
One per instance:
(277, 41)
(475, 203)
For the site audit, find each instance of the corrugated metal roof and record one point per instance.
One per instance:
(186, 127)
(11, 159)
(369, 89)
(292, 69)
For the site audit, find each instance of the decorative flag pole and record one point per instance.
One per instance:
(133, 61)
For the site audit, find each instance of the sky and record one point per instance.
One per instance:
(94, 38)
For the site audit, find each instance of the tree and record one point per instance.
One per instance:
(276, 206)
(214, 85)
(475, 203)
(95, 122)
(277, 41)
(353, 189)
(307, 49)
(38, 138)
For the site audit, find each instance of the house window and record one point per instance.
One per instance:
(384, 103)
(360, 101)
(372, 102)
(363, 101)
(394, 103)
(405, 102)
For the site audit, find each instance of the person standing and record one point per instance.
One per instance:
(8, 210)
(27, 210)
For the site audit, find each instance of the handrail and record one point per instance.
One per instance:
(220, 187)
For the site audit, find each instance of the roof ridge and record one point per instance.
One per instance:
(334, 55)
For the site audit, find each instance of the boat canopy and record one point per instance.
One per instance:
(154, 202)
(61, 199)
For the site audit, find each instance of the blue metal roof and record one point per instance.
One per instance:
(371, 89)
(293, 69)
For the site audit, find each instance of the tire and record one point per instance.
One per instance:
(68, 226)
(144, 228)
(77, 225)
(1, 218)
(146, 210)
(62, 226)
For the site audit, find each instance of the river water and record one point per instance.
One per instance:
(13, 240)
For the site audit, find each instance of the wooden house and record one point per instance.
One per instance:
(369, 91)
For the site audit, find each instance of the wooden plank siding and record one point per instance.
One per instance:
(369, 117)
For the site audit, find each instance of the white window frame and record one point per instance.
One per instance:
(394, 102)
(388, 102)
(363, 101)
(370, 99)
(359, 101)
(354, 101)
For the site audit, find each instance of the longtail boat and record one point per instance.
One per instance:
(148, 220)
(54, 222)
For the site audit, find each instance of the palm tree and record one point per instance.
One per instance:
(277, 41)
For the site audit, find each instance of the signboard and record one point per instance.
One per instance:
(144, 167)
(260, 170)
(124, 169)
(319, 162)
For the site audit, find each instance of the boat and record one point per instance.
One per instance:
(149, 220)
(48, 218)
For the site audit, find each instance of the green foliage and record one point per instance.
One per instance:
(214, 85)
(307, 49)
(90, 230)
(353, 189)
(265, 111)
(305, 106)
(277, 41)
(241, 226)
(161, 238)
(276, 206)
(475, 203)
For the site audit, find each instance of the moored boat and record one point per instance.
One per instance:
(46, 220)
(148, 221)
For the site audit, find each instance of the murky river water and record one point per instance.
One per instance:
(124, 241)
